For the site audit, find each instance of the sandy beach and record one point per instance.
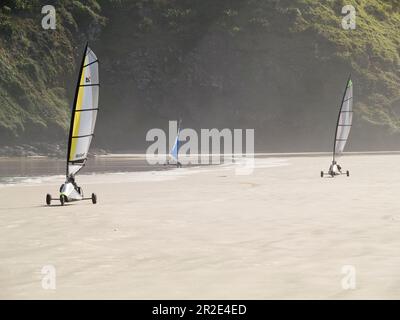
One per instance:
(207, 233)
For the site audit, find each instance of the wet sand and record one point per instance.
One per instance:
(207, 233)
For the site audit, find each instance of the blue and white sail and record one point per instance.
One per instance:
(175, 149)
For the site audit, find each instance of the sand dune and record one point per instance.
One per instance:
(282, 232)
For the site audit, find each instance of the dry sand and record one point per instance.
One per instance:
(206, 233)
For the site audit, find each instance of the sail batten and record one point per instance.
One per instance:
(84, 113)
(90, 85)
(89, 64)
(345, 120)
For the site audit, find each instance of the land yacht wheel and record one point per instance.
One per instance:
(94, 198)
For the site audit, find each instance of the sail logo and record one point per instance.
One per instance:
(88, 80)
(349, 21)
(186, 148)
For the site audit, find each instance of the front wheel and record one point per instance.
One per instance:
(94, 198)
(322, 174)
(348, 173)
(48, 199)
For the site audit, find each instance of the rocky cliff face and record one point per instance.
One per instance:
(277, 66)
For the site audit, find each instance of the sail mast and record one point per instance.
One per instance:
(177, 141)
(74, 106)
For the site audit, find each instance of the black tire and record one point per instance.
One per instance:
(48, 199)
(94, 198)
(322, 174)
(62, 200)
(348, 173)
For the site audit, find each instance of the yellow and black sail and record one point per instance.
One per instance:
(84, 113)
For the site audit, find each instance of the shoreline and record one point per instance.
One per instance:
(256, 155)
(133, 163)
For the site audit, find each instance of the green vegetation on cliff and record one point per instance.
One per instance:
(373, 50)
(277, 66)
(36, 66)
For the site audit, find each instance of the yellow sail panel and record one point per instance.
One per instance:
(77, 116)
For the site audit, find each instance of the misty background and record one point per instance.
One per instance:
(279, 67)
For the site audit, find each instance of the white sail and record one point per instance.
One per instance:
(84, 113)
(345, 120)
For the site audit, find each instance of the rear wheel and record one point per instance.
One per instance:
(94, 198)
(348, 173)
(62, 200)
(322, 174)
(48, 199)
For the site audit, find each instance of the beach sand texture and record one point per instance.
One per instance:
(208, 233)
